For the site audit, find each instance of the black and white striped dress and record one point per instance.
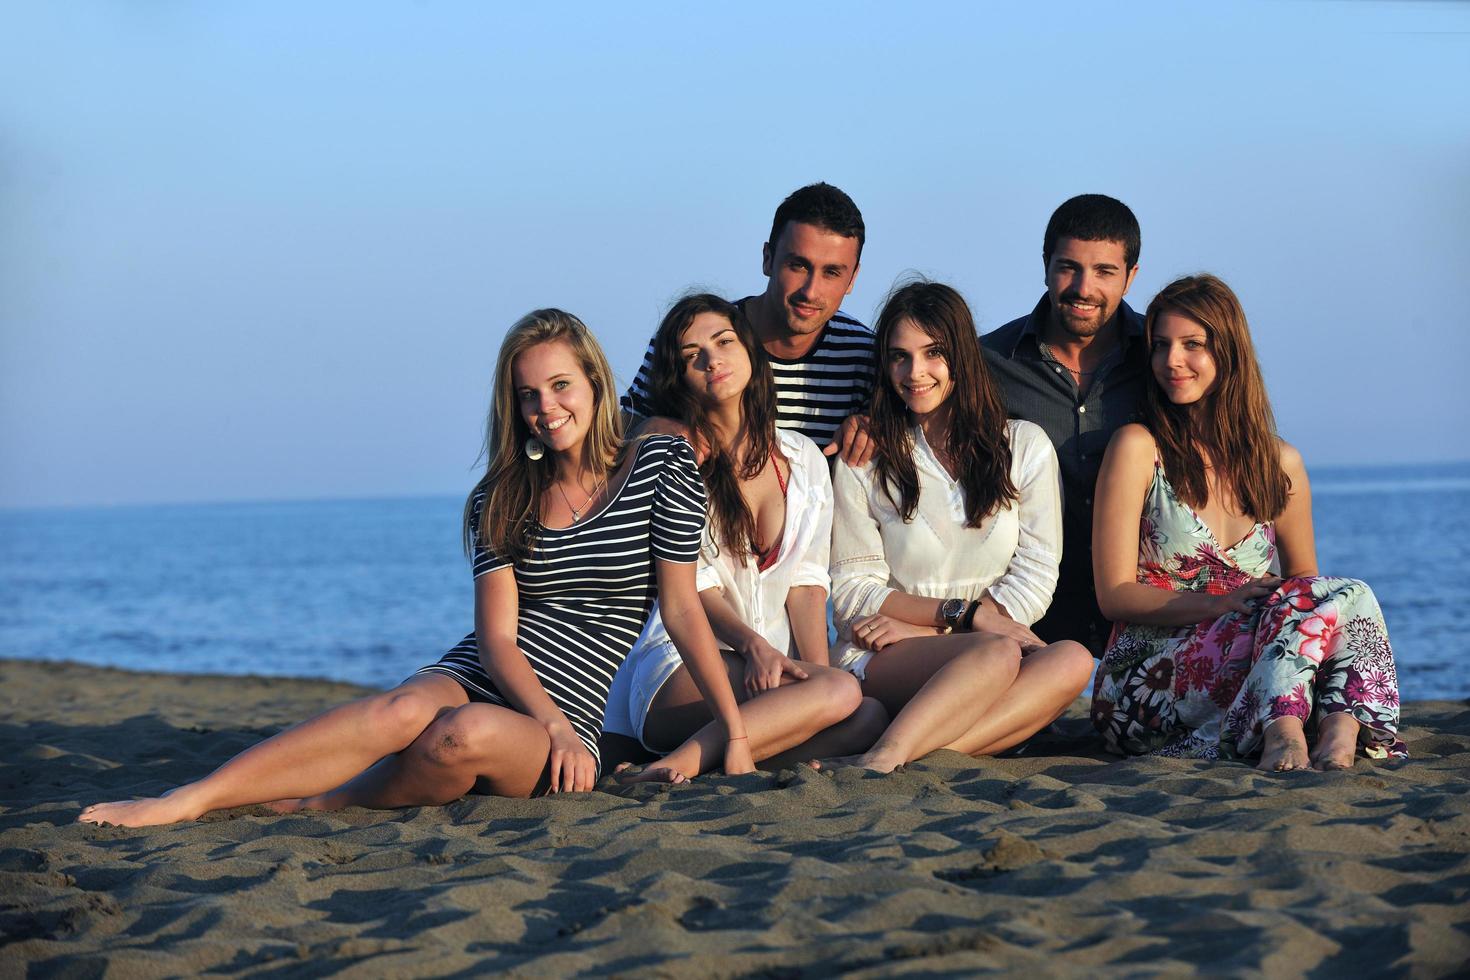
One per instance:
(586, 590)
(814, 392)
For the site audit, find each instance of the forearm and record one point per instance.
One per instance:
(806, 609)
(1135, 602)
(916, 609)
(728, 628)
(508, 667)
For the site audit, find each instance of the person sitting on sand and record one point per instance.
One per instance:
(573, 532)
(1212, 656)
(763, 567)
(946, 545)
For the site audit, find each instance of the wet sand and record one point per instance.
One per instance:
(1063, 861)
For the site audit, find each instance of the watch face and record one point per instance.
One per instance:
(952, 609)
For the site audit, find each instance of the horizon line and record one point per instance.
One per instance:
(6, 508)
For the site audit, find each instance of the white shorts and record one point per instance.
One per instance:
(855, 661)
(652, 668)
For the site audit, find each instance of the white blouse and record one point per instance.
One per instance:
(759, 598)
(1013, 556)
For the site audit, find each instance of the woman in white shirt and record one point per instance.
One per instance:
(946, 547)
(762, 576)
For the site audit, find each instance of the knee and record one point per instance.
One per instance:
(871, 718)
(456, 739)
(1074, 665)
(842, 694)
(994, 652)
(404, 712)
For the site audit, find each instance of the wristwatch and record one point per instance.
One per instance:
(952, 611)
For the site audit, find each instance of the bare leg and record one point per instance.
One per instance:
(1049, 681)
(938, 688)
(1285, 746)
(855, 733)
(777, 721)
(308, 758)
(1337, 742)
(503, 748)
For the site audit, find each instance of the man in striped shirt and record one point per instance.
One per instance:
(821, 358)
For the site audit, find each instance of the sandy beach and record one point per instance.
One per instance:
(1060, 862)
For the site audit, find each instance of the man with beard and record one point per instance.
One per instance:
(1077, 366)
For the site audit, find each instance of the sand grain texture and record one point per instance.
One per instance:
(1061, 862)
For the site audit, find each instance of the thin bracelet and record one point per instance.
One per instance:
(736, 738)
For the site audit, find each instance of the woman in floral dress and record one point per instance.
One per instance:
(1212, 656)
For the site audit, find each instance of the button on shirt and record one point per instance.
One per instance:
(1040, 390)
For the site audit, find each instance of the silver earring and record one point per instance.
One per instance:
(535, 448)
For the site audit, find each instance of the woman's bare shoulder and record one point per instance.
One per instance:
(1132, 439)
(1291, 461)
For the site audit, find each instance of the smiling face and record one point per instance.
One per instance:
(1181, 359)
(918, 368)
(810, 270)
(555, 396)
(716, 363)
(1086, 281)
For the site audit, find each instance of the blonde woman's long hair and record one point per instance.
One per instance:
(506, 504)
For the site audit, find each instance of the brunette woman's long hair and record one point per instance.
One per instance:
(977, 441)
(506, 503)
(732, 525)
(1233, 423)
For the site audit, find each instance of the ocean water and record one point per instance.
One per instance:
(369, 590)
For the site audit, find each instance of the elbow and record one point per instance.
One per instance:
(1107, 603)
(814, 594)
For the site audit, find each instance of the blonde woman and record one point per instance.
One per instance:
(573, 534)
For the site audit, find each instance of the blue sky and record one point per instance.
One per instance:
(268, 250)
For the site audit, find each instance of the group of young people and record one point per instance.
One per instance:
(984, 515)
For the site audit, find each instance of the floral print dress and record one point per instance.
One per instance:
(1314, 646)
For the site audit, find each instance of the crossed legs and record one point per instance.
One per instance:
(802, 719)
(969, 692)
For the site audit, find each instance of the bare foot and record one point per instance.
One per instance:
(1337, 742)
(1285, 747)
(627, 774)
(285, 806)
(872, 760)
(149, 812)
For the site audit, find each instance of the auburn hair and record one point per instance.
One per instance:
(506, 503)
(977, 441)
(1233, 422)
(732, 525)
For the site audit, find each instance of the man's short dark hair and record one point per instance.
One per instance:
(824, 206)
(1093, 218)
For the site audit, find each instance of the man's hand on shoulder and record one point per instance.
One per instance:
(853, 442)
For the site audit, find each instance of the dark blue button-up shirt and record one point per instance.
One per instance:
(1040, 390)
